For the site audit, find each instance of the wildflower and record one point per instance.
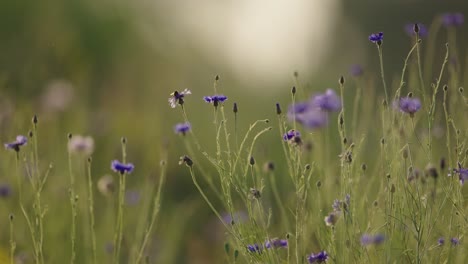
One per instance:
(336, 205)
(356, 70)
(182, 128)
(276, 243)
(376, 37)
(462, 174)
(15, 145)
(441, 241)
(291, 134)
(320, 257)
(410, 30)
(79, 144)
(254, 248)
(331, 219)
(106, 185)
(122, 168)
(307, 115)
(455, 241)
(5, 190)
(452, 19)
(215, 99)
(178, 97)
(367, 239)
(408, 105)
(328, 101)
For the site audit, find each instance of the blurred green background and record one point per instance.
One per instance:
(106, 69)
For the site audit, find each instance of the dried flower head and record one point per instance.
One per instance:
(332, 218)
(81, 145)
(106, 185)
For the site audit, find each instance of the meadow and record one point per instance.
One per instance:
(369, 169)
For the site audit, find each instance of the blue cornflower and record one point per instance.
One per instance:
(307, 115)
(182, 128)
(5, 190)
(292, 136)
(462, 173)
(122, 168)
(455, 241)
(453, 19)
(367, 239)
(376, 37)
(215, 99)
(409, 29)
(356, 70)
(254, 248)
(408, 105)
(320, 257)
(15, 145)
(441, 241)
(178, 97)
(327, 101)
(276, 243)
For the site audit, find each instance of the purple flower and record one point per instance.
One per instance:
(462, 173)
(356, 70)
(409, 29)
(441, 241)
(408, 105)
(453, 19)
(122, 168)
(332, 218)
(5, 190)
(15, 145)
(276, 243)
(320, 257)
(337, 205)
(455, 241)
(254, 248)
(327, 101)
(182, 128)
(376, 37)
(367, 239)
(178, 97)
(291, 135)
(215, 99)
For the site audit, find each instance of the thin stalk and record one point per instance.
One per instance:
(73, 206)
(91, 211)
(12, 241)
(379, 47)
(156, 207)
